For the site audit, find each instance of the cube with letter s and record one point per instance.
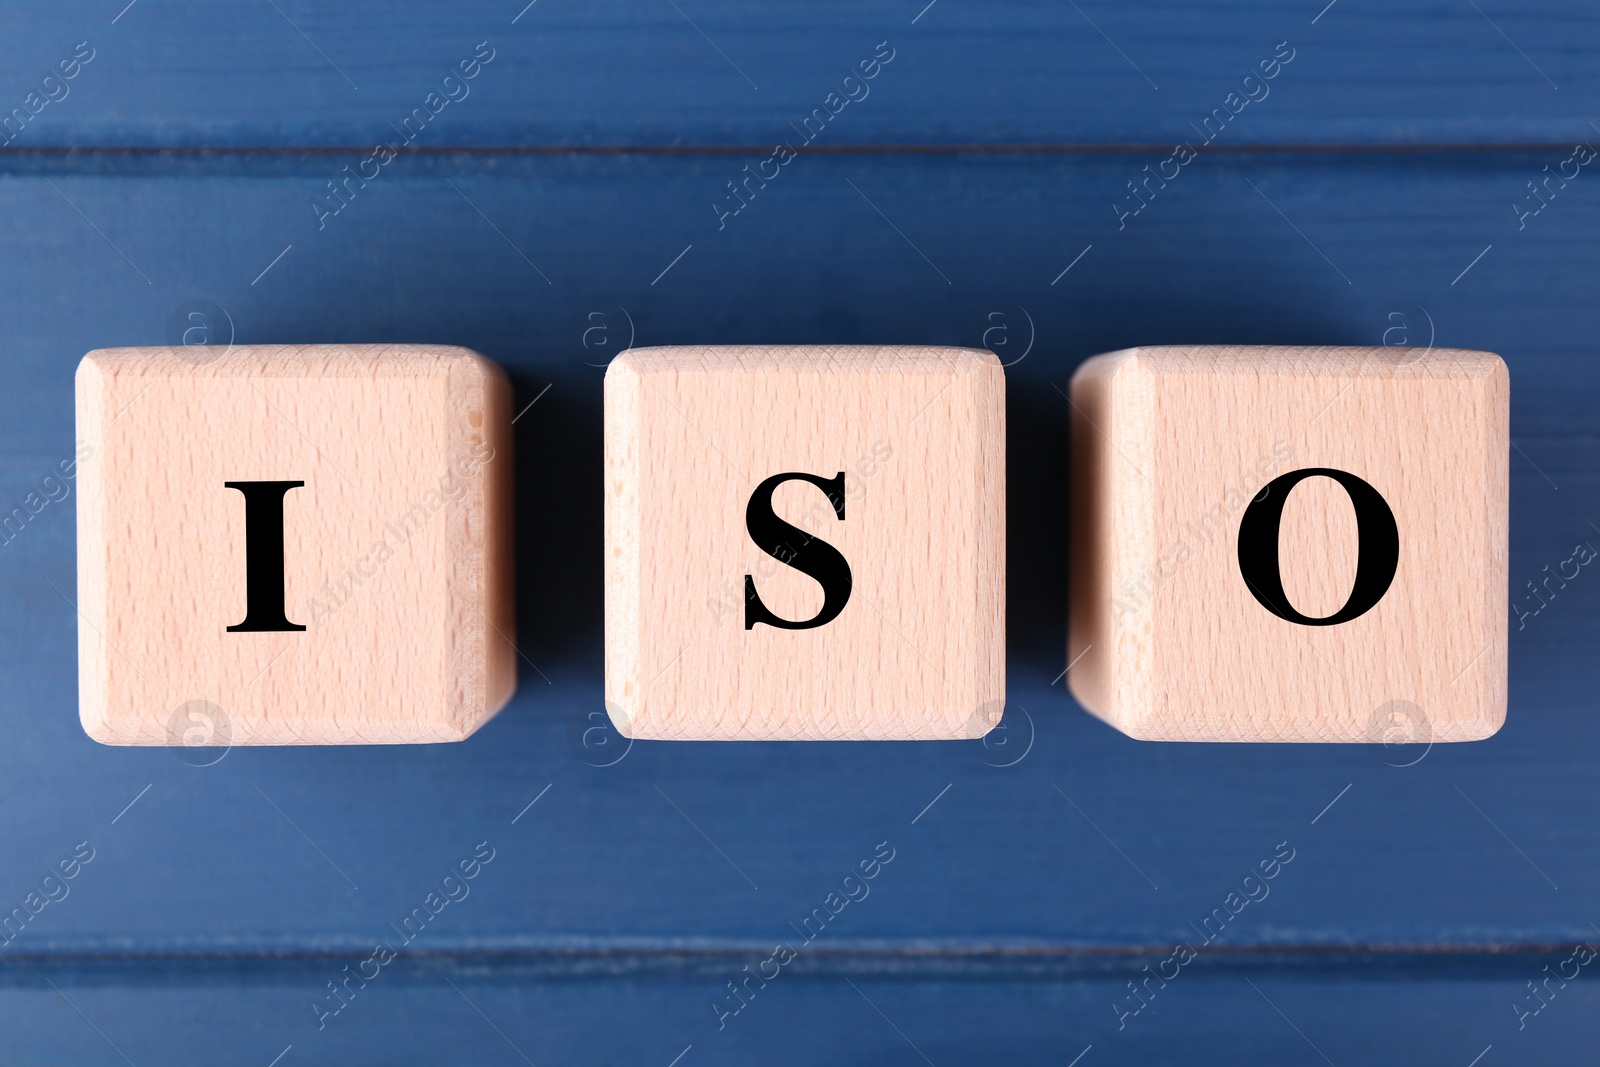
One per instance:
(805, 542)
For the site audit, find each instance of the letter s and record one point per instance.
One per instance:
(813, 557)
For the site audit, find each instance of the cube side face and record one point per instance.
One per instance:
(392, 549)
(482, 586)
(917, 648)
(1426, 661)
(93, 580)
(624, 527)
(988, 392)
(1106, 637)
(1490, 393)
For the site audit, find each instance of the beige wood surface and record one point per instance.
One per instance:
(396, 549)
(1170, 445)
(919, 648)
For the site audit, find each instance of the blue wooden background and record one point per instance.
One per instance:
(562, 209)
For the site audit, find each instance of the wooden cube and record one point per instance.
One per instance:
(309, 541)
(1290, 544)
(805, 543)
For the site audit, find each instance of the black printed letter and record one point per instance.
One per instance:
(263, 556)
(1377, 553)
(800, 550)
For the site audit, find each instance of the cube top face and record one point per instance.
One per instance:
(910, 646)
(395, 560)
(1174, 450)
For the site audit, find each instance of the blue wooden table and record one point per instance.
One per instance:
(684, 903)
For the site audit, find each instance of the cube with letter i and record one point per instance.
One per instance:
(805, 542)
(293, 544)
(1290, 544)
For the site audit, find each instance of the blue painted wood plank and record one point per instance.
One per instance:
(321, 850)
(428, 1012)
(727, 72)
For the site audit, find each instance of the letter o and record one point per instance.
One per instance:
(1378, 546)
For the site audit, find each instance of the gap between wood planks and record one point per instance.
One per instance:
(1372, 148)
(904, 959)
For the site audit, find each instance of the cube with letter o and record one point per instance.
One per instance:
(1290, 544)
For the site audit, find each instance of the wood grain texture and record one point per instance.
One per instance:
(918, 651)
(1171, 445)
(396, 557)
